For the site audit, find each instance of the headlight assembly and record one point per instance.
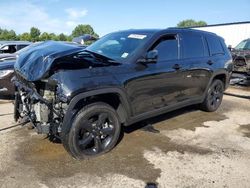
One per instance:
(4, 73)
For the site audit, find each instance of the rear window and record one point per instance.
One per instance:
(215, 46)
(193, 46)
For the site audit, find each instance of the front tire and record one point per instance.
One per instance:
(213, 97)
(95, 130)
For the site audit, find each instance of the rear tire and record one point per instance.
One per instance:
(95, 130)
(213, 97)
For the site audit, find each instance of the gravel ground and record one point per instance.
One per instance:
(192, 149)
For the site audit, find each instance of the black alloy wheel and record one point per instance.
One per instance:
(95, 130)
(214, 96)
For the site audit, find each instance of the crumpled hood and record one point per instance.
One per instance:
(34, 63)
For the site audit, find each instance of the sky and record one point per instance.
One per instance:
(105, 16)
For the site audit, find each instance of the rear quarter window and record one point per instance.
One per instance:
(215, 46)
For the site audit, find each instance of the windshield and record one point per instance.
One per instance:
(119, 46)
(244, 45)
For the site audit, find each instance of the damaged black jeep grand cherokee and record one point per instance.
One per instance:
(84, 96)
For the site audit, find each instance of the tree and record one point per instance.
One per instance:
(53, 36)
(62, 37)
(83, 29)
(7, 35)
(34, 34)
(69, 38)
(45, 36)
(25, 37)
(191, 23)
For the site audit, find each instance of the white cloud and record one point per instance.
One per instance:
(75, 14)
(72, 24)
(22, 15)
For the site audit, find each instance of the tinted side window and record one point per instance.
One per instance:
(19, 47)
(214, 45)
(247, 46)
(9, 48)
(193, 46)
(167, 48)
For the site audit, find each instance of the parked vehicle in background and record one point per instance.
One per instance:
(240, 78)
(4, 57)
(84, 96)
(7, 61)
(84, 39)
(241, 56)
(7, 89)
(241, 62)
(12, 46)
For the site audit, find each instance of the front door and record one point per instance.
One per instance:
(161, 84)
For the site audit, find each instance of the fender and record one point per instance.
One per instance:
(218, 73)
(71, 111)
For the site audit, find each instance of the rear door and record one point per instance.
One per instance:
(195, 57)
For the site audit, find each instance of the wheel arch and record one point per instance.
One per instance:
(222, 77)
(115, 97)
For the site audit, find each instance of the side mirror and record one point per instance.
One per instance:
(151, 57)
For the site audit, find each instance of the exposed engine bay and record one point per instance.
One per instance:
(38, 103)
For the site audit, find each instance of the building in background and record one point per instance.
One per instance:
(233, 33)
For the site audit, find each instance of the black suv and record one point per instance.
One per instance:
(84, 96)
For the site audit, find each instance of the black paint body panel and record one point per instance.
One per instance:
(144, 89)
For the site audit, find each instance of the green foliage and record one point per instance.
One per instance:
(191, 23)
(7, 35)
(25, 37)
(44, 36)
(83, 29)
(69, 38)
(36, 35)
(62, 37)
(53, 36)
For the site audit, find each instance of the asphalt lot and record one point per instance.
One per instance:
(192, 149)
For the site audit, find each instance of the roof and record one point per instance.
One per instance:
(14, 42)
(140, 30)
(170, 29)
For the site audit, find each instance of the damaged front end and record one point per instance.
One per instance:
(37, 97)
(38, 103)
